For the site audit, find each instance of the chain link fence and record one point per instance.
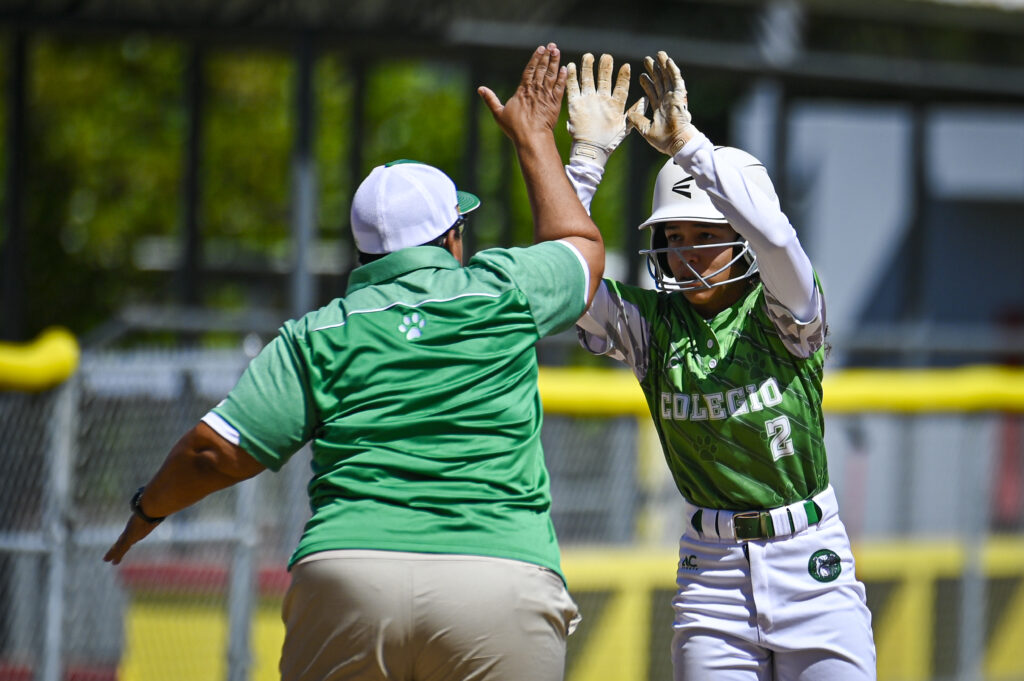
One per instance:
(934, 503)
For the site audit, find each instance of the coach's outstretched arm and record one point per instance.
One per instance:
(529, 118)
(202, 462)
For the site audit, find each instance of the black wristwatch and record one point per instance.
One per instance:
(137, 510)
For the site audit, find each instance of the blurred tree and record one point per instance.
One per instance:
(107, 129)
(105, 126)
(245, 176)
(333, 87)
(247, 138)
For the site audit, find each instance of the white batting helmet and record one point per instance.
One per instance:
(677, 198)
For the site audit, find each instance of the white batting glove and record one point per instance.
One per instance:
(669, 127)
(597, 121)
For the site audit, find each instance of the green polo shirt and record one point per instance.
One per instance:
(418, 390)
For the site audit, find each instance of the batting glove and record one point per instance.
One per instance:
(669, 127)
(597, 121)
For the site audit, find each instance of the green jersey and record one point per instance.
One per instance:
(736, 399)
(418, 391)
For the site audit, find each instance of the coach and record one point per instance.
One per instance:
(430, 553)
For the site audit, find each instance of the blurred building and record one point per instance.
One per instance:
(892, 128)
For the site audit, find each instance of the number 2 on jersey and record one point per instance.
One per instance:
(778, 430)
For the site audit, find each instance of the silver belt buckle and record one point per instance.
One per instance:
(762, 525)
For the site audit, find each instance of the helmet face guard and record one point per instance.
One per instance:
(678, 198)
(664, 279)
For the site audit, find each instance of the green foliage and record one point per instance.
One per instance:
(104, 125)
(414, 110)
(247, 138)
(107, 140)
(110, 116)
(333, 87)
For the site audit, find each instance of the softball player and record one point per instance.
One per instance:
(729, 352)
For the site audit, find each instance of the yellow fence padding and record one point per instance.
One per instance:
(42, 363)
(615, 392)
(182, 637)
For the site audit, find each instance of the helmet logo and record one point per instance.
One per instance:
(682, 187)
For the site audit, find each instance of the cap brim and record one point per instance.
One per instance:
(467, 202)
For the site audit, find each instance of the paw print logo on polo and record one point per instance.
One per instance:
(412, 326)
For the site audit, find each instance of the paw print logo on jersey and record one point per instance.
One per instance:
(412, 326)
(706, 447)
(757, 363)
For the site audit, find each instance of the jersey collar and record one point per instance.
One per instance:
(399, 263)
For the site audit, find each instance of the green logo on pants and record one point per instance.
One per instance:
(824, 565)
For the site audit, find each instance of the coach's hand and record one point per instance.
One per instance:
(134, 532)
(535, 106)
(597, 119)
(669, 127)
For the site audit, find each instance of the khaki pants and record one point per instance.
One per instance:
(396, 616)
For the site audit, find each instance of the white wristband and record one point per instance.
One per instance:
(589, 152)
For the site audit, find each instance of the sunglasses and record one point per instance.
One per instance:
(460, 225)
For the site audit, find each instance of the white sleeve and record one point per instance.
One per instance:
(584, 178)
(222, 427)
(583, 265)
(784, 267)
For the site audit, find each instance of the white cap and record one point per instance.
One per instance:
(405, 203)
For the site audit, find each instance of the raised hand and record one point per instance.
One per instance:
(669, 127)
(536, 103)
(597, 121)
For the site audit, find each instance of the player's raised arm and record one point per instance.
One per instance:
(528, 118)
(754, 213)
(669, 128)
(597, 120)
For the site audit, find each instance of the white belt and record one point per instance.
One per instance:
(712, 523)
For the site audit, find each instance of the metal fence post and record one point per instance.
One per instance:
(240, 589)
(973, 607)
(62, 430)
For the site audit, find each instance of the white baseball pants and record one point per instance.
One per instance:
(788, 608)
